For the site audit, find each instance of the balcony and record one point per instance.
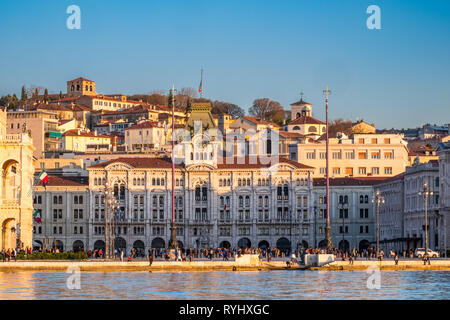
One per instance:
(8, 203)
(16, 138)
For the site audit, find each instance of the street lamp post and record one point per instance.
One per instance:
(328, 226)
(426, 192)
(173, 233)
(378, 199)
(315, 224)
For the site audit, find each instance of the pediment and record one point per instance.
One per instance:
(118, 166)
(200, 167)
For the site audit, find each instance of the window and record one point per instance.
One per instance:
(387, 141)
(375, 171)
(362, 170)
(336, 170)
(362, 155)
(388, 170)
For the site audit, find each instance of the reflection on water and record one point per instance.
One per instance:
(226, 285)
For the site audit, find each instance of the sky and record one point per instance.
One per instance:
(397, 76)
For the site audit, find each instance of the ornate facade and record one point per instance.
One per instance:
(16, 158)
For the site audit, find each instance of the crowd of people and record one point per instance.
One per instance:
(225, 254)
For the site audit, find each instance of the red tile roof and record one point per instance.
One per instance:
(258, 120)
(140, 163)
(244, 163)
(299, 103)
(347, 181)
(75, 133)
(145, 124)
(57, 181)
(306, 120)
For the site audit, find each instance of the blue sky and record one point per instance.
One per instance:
(396, 77)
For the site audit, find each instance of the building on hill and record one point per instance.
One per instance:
(301, 109)
(80, 87)
(255, 123)
(83, 140)
(362, 127)
(16, 207)
(145, 136)
(43, 126)
(302, 121)
(423, 154)
(200, 113)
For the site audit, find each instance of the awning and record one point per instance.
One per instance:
(55, 134)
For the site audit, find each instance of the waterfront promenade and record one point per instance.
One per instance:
(248, 263)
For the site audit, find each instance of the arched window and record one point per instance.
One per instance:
(248, 182)
(158, 181)
(366, 199)
(220, 182)
(361, 199)
(345, 199)
(60, 201)
(153, 181)
(296, 128)
(162, 181)
(239, 182)
(95, 181)
(229, 182)
(134, 181)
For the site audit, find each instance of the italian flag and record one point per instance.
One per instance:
(43, 176)
(37, 216)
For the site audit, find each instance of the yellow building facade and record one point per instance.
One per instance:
(16, 204)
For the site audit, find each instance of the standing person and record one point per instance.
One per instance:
(121, 255)
(396, 259)
(150, 259)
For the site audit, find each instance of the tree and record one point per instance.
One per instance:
(60, 94)
(221, 107)
(154, 98)
(24, 96)
(190, 92)
(265, 108)
(46, 99)
(339, 125)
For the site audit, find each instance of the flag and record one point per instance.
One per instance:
(37, 216)
(43, 176)
(225, 207)
(200, 88)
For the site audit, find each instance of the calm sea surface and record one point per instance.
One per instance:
(226, 285)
